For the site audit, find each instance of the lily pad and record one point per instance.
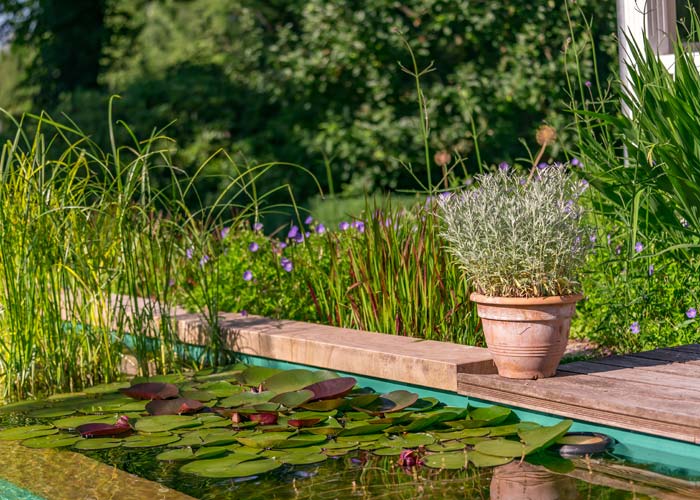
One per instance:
(74, 422)
(266, 418)
(230, 466)
(294, 380)
(387, 452)
(255, 375)
(444, 447)
(424, 404)
(106, 388)
(552, 461)
(502, 448)
(51, 441)
(301, 440)
(176, 455)
(163, 423)
(246, 398)
(97, 444)
(221, 389)
(145, 441)
(27, 432)
(481, 460)
(303, 458)
(325, 405)
(90, 430)
(332, 388)
(452, 460)
(407, 441)
(490, 415)
(265, 440)
(151, 390)
(362, 429)
(542, 437)
(512, 429)
(211, 452)
(293, 399)
(177, 406)
(203, 396)
(51, 413)
(392, 402)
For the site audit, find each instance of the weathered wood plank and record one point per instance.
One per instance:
(652, 365)
(692, 348)
(594, 369)
(670, 354)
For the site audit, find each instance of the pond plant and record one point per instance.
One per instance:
(241, 420)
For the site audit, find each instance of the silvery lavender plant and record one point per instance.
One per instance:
(518, 237)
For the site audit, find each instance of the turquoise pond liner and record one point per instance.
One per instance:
(9, 491)
(666, 456)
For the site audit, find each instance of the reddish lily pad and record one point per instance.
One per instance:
(177, 406)
(151, 390)
(391, 402)
(264, 418)
(294, 398)
(331, 389)
(101, 429)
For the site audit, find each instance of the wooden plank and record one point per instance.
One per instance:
(631, 405)
(669, 354)
(656, 366)
(692, 348)
(593, 369)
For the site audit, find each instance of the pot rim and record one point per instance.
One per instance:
(526, 301)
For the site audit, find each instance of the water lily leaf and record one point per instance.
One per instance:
(552, 461)
(331, 389)
(473, 440)
(121, 426)
(221, 389)
(294, 380)
(395, 418)
(327, 427)
(265, 440)
(106, 388)
(424, 404)
(172, 378)
(214, 423)
(203, 437)
(230, 467)
(211, 452)
(421, 423)
(151, 390)
(176, 455)
(51, 441)
(177, 406)
(22, 406)
(391, 402)
(303, 458)
(461, 434)
(307, 422)
(363, 401)
(407, 441)
(340, 445)
(542, 437)
(26, 432)
(293, 399)
(387, 452)
(246, 398)
(51, 413)
(325, 405)
(301, 440)
(444, 447)
(512, 429)
(220, 372)
(481, 460)
(97, 444)
(147, 441)
(161, 423)
(199, 395)
(491, 415)
(74, 422)
(255, 375)
(501, 448)
(359, 438)
(450, 460)
(264, 418)
(362, 429)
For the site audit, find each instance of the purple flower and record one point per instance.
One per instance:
(320, 229)
(293, 232)
(638, 247)
(359, 225)
(203, 260)
(634, 327)
(588, 84)
(575, 162)
(171, 282)
(542, 165)
(243, 313)
(308, 220)
(469, 182)
(257, 226)
(247, 275)
(618, 249)
(592, 238)
(343, 226)
(281, 245)
(189, 252)
(253, 247)
(584, 183)
(299, 238)
(286, 264)
(691, 313)
(651, 269)
(224, 232)
(503, 166)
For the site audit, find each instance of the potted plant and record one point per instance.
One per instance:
(521, 242)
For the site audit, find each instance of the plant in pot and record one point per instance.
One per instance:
(521, 242)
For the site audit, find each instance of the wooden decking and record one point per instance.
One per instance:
(656, 392)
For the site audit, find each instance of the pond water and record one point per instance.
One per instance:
(313, 435)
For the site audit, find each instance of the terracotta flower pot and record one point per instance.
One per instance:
(527, 337)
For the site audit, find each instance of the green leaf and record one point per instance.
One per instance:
(51, 413)
(265, 440)
(293, 399)
(303, 458)
(146, 441)
(97, 444)
(543, 437)
(73, 422)
(301, 440)
(501, 448)
(51, 441)
(387, 452)
(246, 398)
(230, 466)
(220, 389)
(177, 454)
(295, 380)
(255, 375)
(453, 460)
(552, 461)
(162, 423)
(481, 460)
(407, 441)
(491, 415)
(26, 432)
